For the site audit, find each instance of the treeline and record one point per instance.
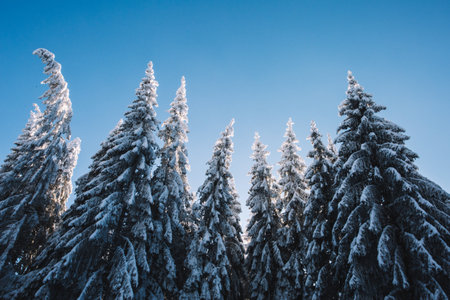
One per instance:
(359, 222)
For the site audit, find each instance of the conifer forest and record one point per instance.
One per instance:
(355, 220)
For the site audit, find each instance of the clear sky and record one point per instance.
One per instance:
(260, 62)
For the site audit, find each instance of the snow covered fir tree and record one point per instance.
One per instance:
(35, 179)
(359, 222)
(172, 197)
(263, 257)
(318, 220)
(291, 236)
(216, 252)
(390, 240)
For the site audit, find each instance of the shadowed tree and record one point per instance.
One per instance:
(291, 236)
(390, 239)
(318, 220)
(172, 196)
(216, 248)
(263, 259)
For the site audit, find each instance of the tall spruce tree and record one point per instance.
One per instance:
(35, 180)
(391, 239)
(318, 221)
(103, 250)
(216, 244)
(234, 244)
(263, 260)
(172, 196)
(291, 235)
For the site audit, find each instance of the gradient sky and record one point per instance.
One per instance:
(260, 62)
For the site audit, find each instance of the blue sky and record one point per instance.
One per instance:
(260, 62)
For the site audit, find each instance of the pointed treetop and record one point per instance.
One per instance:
(259, 150)
(224, 142)
(290, 132)
(178, 120)
(149, 71)
(223, 149)
(314, 127)
(181, 95)
(148, 82)
(316, 139)
(147, 88)
(319, 149)
(257, 145)
(224, 145)
(290, 135)
(290, 146)
(357, 99)
(354, 88)
(350, 78)
(289, 123)
(181, 92)
(257, 137)
(229, 131)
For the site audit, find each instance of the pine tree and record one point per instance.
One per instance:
(102, 249)
(263, 259)
(317, 219)
(291, 235)
(234, 244)
(391, 241)
(35, 180)
(216, 243)
(172, 196)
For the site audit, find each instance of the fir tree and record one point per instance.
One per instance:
(234, 244)
(263, 259)
(216, 243)
(391, 240)
(35, 180)
(317, 219)
(103, 249)
(172, 196)
(291, 235)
